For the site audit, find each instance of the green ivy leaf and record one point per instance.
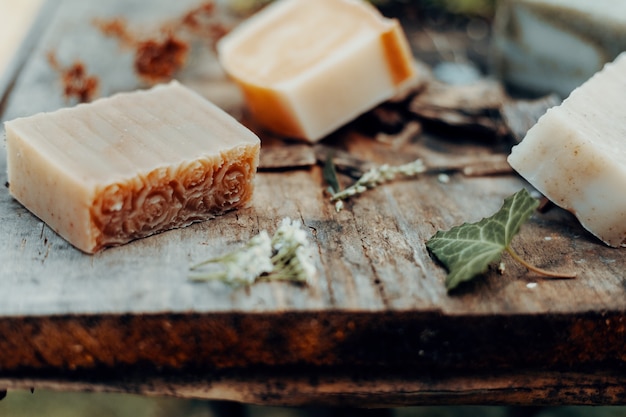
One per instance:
(468, 250)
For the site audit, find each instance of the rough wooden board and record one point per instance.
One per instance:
(378, 302)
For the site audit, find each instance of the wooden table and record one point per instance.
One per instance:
(376, 328)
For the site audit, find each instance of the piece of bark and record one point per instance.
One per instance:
(472, 106)
(479, 165)
(410, 130)
(493, 165)
(286, 156)
(386, 119)
(521, 115)
(344, 162)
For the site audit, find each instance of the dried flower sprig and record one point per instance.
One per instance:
(286, 256)
(375, 177)
(241, 267)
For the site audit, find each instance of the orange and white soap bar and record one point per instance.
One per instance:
(308, 67)
(131, 165)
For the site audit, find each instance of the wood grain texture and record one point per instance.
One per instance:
(375, 328)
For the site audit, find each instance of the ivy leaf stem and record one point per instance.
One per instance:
(540, 271)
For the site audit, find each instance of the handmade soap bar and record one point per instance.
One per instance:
(129, 166)
(308, 67)
(549, 46)
(576, 154)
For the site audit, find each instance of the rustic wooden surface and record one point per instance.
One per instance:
(375, 328)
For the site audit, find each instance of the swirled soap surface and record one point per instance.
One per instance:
(131, 165)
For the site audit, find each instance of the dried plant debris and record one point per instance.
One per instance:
(78, 84)
(116, 28)
(474, 165)
(159, 59)
(203, 23)
(371, 179)
(162, 53)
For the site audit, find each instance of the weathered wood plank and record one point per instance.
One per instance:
(128, 318)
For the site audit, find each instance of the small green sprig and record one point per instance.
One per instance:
(286, 256)
(375, 177)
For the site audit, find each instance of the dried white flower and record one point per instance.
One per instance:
(287, 256)
(293, 253)
(443, 178)
(377, 176)
(240, 267)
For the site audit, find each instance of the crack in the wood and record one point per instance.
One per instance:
(376, 281)
(45, 256)
(327, 279)
(403, 228)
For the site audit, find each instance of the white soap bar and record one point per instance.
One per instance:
(128, 166)
(547, 46)
(308, 67)
(576, 154)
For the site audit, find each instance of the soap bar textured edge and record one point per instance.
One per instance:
(94, 216)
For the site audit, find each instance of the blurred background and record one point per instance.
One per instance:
(16, 16)
(66, 404)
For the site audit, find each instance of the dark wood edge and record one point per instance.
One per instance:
(422, 357)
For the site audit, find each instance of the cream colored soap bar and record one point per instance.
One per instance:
(308, 67)
(550, 46)
(129, 166)
(576, 154)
